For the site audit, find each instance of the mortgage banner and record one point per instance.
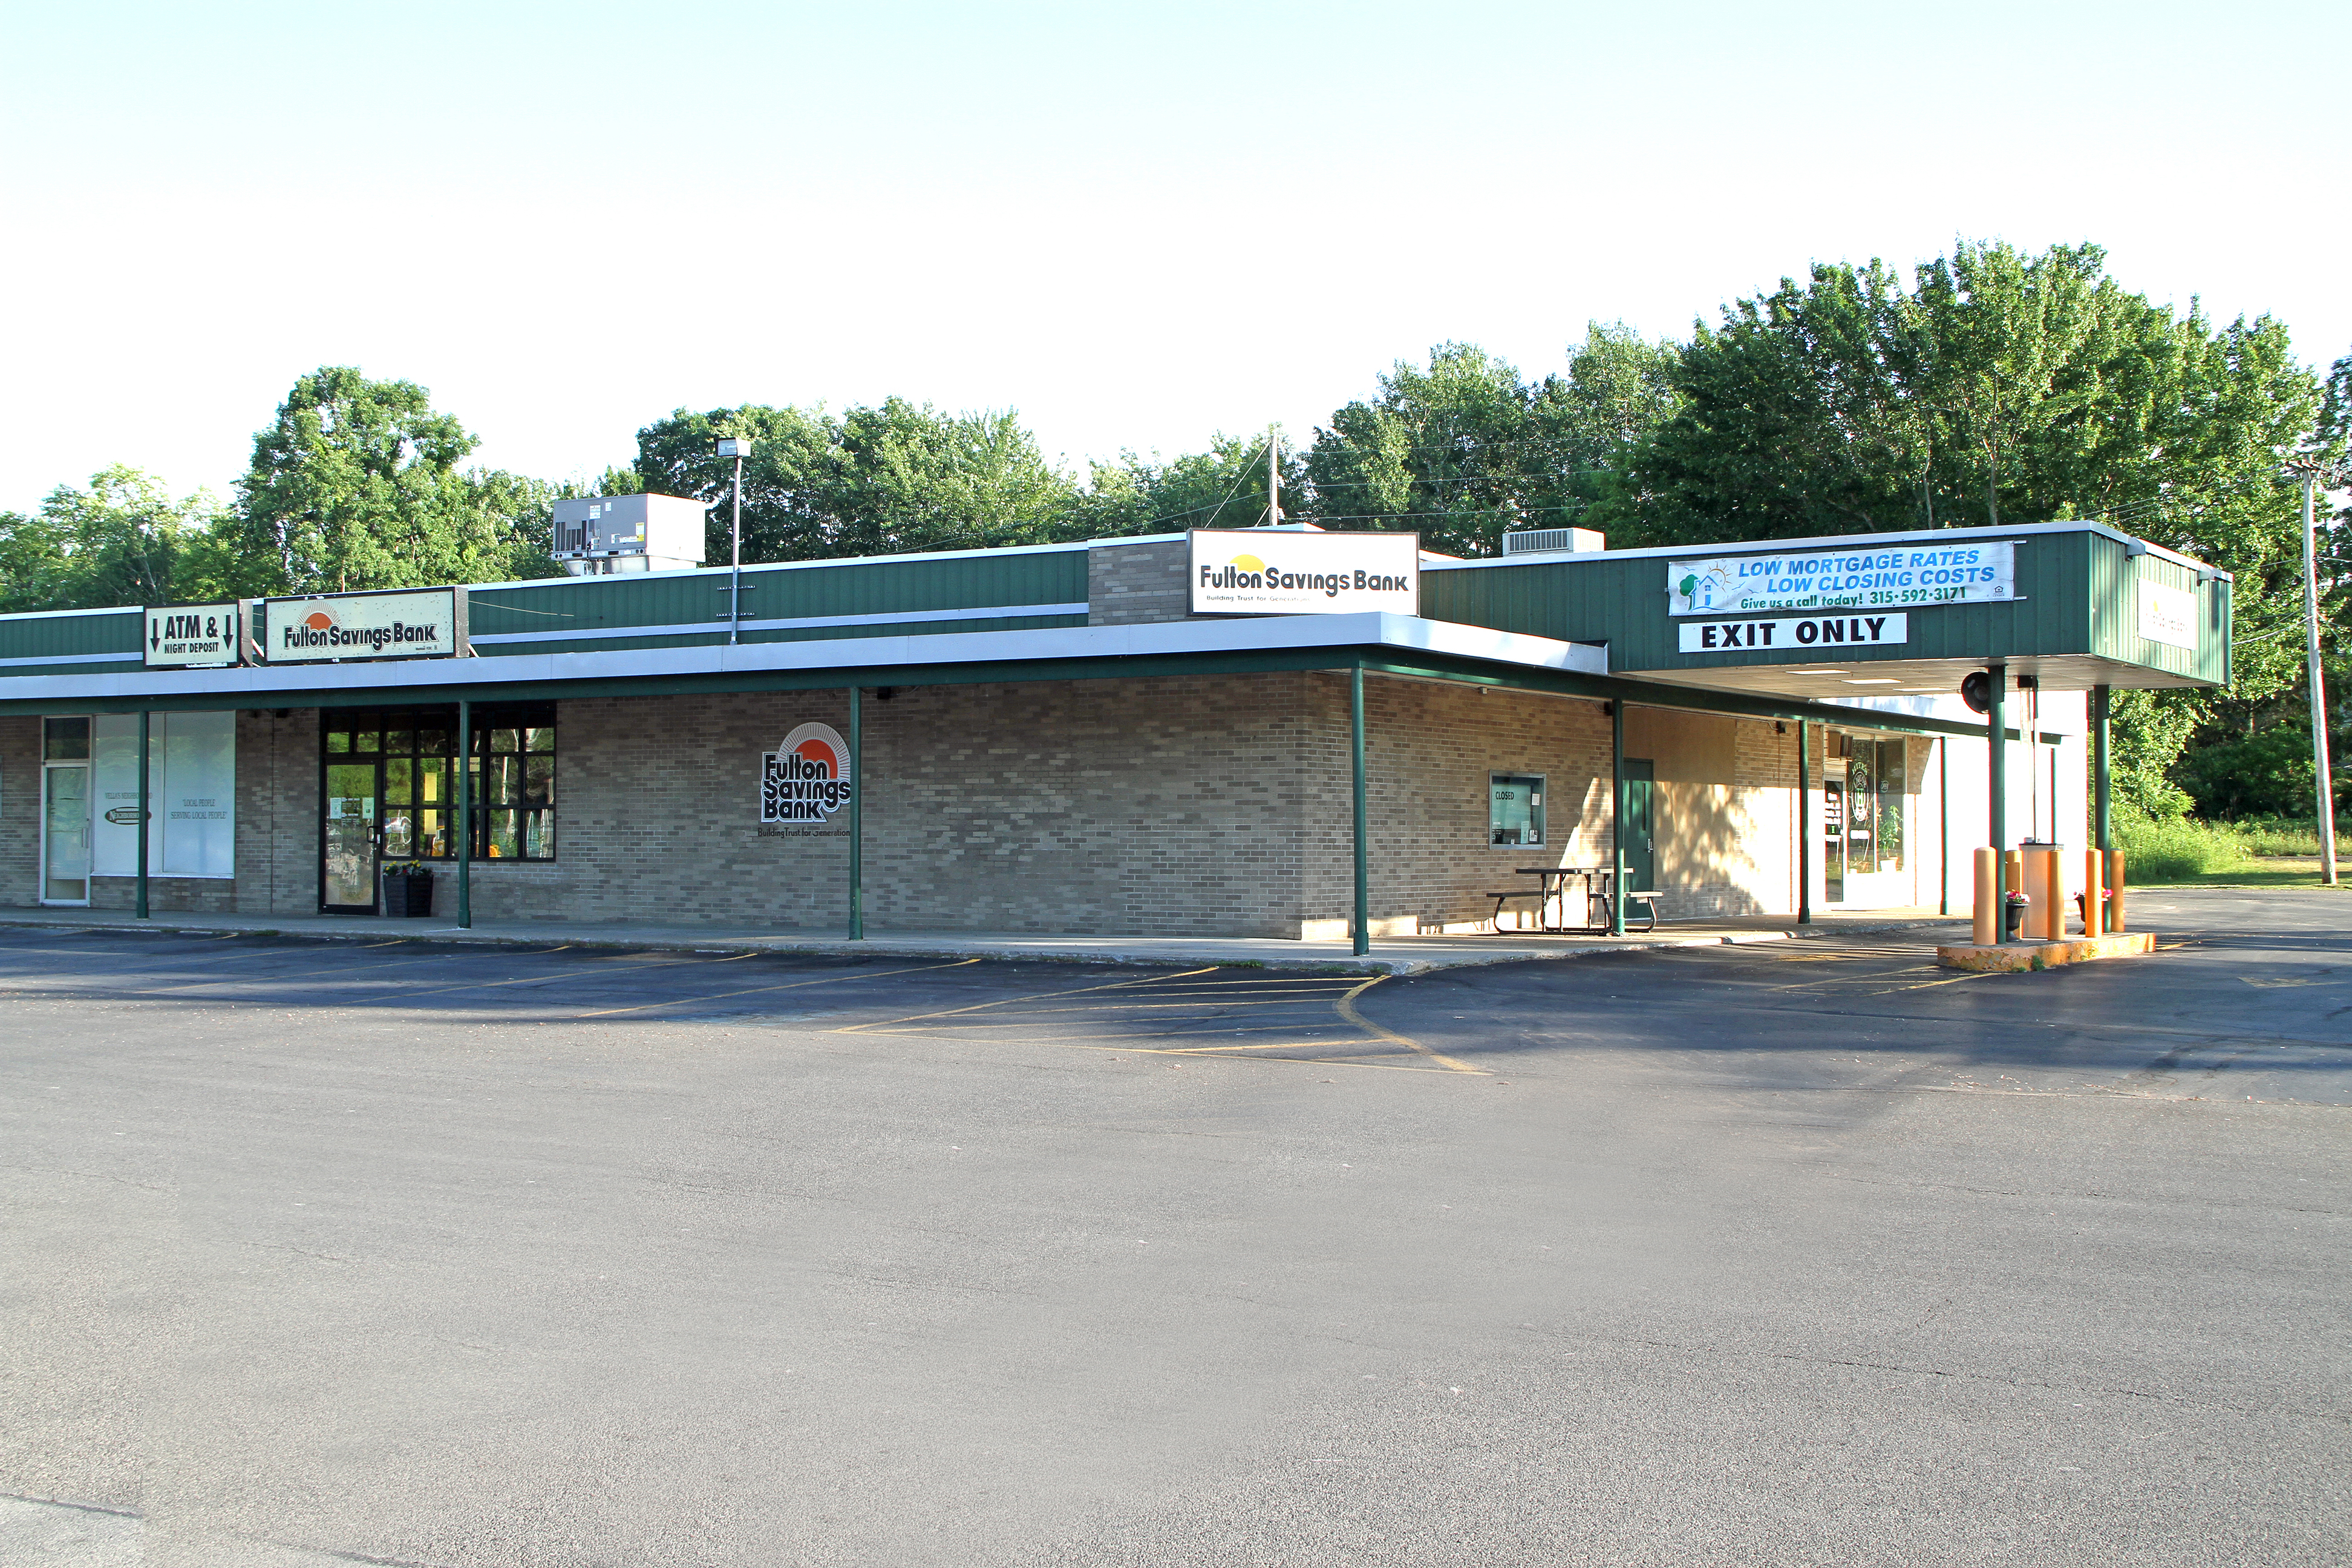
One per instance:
(1805, 634)
(405, 623)
(1858, 579)
(1287, 571)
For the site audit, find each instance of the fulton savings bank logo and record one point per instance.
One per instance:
(806, 779)
(1247, 571)
(320, 629)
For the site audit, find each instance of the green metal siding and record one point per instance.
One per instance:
(2071, 600)
(697, 602)
(65, 637)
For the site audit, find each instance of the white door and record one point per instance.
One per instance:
(65, 833)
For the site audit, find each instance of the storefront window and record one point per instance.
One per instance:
(1515, 812)
(513, 767)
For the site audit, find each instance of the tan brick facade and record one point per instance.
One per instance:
(1180, 806)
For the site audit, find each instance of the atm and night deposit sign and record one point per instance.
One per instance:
(1287, 571)
(190, 637)
(404, 622)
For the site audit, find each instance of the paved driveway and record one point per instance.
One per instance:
(1805, 1253)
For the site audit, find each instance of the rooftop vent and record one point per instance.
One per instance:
(600, 535)
(1555, 541)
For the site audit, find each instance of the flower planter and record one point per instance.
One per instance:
(408, 895)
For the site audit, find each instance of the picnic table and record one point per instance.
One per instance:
(1552, 894)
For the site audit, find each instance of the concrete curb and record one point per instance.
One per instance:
(1045, 951)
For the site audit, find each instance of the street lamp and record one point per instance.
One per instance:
(2314, 474)
(739, 448)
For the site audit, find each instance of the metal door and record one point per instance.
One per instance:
(1641, 835)
(351, 839)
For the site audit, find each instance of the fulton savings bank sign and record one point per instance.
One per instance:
(1287, 571)
(804, 781)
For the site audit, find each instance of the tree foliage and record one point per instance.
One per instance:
(871, 481)
(356, 485)
(123, 540)
(1468, 449)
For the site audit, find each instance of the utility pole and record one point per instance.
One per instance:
(1273, 480)
(737, 448)
(2312, 474)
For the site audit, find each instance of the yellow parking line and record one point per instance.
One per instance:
(1346, 1006)
(787, 985)
(1008, 1001)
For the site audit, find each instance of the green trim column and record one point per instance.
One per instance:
(1804, 822)
(1362, 924)
(465, 750)
(857, 819)
(1943, 826)
(144, 764)
(2102, 800)
(1997, 786)
(1616, 818)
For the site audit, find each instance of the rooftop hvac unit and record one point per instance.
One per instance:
(1554, 542)
(600, 535)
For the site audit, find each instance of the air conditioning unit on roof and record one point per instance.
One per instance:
(1555, 541)
(602, 535)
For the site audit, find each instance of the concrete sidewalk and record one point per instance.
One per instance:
(1390, 956)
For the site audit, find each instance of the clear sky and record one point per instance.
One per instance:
(1138, 224)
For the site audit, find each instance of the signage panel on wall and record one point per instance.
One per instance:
(189, 637)
(1808, 634)
(1880, 579)
(2167, 615)
(806, 779)
(401, 623)
(1285, 571)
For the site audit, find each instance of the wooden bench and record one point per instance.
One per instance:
(1505, 896)
(1646, 903)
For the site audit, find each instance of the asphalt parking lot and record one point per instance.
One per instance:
(1798, 1253)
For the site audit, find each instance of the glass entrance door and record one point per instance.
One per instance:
(351, 838)
(1833, 831)
(65, 833)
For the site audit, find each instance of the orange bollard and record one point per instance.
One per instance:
(1987, 909)
(2053, 883)
(2093, 892)
(2115, 921)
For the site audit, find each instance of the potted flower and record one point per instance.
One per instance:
(408, 890)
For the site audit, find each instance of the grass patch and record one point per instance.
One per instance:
(2178, 850)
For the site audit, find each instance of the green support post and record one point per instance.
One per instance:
(464, 815)
(1363, 920)
(1804, 822)
(143, 766)
(2102, 823)
(1997, 784)
(857, 820)
(1617, 817)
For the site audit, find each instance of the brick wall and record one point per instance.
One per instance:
(1127, 583)
(20, 810)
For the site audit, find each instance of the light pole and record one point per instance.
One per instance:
(2313, 475)
(739, 448)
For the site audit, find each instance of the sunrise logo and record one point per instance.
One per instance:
(806, 779)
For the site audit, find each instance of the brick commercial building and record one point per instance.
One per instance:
(1261, 732)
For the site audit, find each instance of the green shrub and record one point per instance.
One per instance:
(2177, 848)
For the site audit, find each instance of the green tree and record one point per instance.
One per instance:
(874, 480)
(1467, 448)
(1224, 486)
(123, 540)
(356, 485)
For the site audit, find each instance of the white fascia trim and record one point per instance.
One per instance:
(1825, 541)
(71, 657)
(53, 614)
(705, 628)
(279, 687)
